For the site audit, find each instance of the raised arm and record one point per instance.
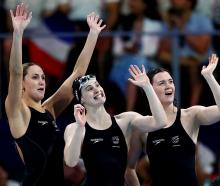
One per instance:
(63, 96)
(210, 115)
(158, 119)
(74, 135)
(13, 102)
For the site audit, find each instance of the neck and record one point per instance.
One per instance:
(170, 109)
(97, 116)
(34, 104)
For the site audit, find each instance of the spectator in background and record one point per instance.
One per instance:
(76, 11)
(211, 9)
(4, 177)
(193, 49)
(137, 48)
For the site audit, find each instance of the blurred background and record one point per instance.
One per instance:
(178, 35)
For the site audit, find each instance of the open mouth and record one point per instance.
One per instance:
(168, 93)
(100, 95)
(41, 89)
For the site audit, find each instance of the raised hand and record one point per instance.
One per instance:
(95, 23)
(21, 18)
(79, 113)
(139, 78)
(208, 70)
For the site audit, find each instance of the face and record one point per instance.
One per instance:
(164, 87)
(137, 6)
(34, 83)
(179, 4)
(92, 93)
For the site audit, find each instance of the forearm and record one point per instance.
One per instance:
(64, 95)
(81, 64)
(86, 54)
(15, 64)
(73, 147)
(155, 105)
(215, 88)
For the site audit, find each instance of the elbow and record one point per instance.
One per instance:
(164, 123)
(70, 162)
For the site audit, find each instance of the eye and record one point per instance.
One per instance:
(89, 88)
(35, 77)
(161, 82)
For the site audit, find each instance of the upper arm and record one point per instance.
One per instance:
(125, 121)
(14, 98)
(207, 115)
(146, 123)
(67, 133)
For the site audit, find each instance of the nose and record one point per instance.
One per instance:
(42, 81)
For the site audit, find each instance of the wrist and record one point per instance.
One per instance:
(80, 126)
(18, 33)
(94, 32)
(208, 76)
(147, 87)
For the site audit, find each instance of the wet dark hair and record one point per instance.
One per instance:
(77, 86)
(76, 90)
(26, 66)
(153, 72)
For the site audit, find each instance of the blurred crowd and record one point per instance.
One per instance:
(138, 32)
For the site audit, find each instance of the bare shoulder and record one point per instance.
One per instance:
(191, 111)
(127, 115)
(18, 119)
(125, 119)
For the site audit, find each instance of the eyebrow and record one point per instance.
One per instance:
(165, 80)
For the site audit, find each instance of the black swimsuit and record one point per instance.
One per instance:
(42, 148)
(105, 156)
(172, 156)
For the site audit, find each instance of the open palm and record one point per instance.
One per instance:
(207, 70)
(95, 23)
(140, 78)
(21, 18)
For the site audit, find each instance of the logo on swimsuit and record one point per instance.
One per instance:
(157, 141)
(115, 140)
(96, 140)
(42, 123)
(175, 141)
